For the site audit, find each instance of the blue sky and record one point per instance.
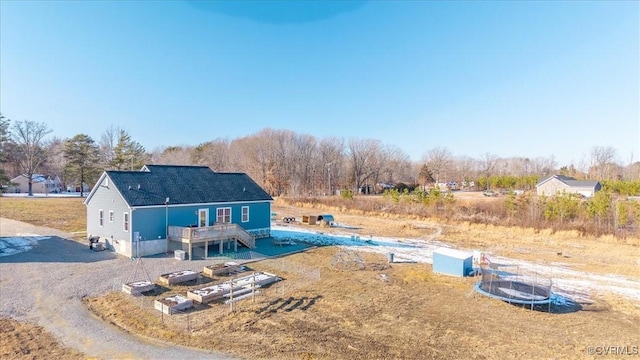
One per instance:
(521, 78)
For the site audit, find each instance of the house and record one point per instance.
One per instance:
(75, 187)
(41, 184)
(164, 208)
(552, 185)
(452, 262)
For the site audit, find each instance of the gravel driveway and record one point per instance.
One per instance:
(46, 284)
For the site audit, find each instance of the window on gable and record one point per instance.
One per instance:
(101, 217)
(125, 221)
(245, 214)
(110, 215)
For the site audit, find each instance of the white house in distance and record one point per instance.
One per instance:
(552, 185)
(41, 184)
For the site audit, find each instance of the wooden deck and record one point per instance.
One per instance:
(216, 234)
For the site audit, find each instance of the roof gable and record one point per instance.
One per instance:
(184, 185)
(569, 181)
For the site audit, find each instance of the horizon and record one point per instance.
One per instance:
(530, 80)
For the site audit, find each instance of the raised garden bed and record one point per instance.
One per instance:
(173, 304)
(138, 287)
(240, 286)
(221, 269)
(177, 277)
(210, 293)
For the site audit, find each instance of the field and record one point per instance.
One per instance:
(20, 340)
(407, 313)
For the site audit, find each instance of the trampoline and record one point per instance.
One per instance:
(513, 291)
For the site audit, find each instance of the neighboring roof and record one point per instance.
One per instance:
(36, 178)
(582, 183)
(184, 185)
(569, 181)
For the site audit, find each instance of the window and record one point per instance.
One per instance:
(101, 217)
(125, 221)
(223, 215)
(110, 215)
(245, 214)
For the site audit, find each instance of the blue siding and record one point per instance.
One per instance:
(451, 266)
(150, 222)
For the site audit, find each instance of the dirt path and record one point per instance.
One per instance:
(46, 284)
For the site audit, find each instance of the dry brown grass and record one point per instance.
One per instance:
(416, 314)
(602, 254)
(66, 214)
(22, 340)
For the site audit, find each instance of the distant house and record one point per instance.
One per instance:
(162, 208)
(75, 187)
(41, 184)
(552, 185)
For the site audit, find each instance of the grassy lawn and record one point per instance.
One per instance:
(66, 214)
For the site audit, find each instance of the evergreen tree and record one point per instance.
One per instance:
(83, 156)
(128, 154)
(5, 140)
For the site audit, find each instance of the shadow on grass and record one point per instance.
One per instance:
(289, 304)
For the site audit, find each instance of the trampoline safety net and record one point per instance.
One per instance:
(514, 288)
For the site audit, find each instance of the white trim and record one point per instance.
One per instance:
(202, 204)
(242, 214)
(206, 217)
(224, 215)
(95, 188)
(100, 217)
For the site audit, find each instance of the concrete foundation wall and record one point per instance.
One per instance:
(146, 247)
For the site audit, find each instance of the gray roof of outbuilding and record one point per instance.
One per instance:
(569, 181)
(184, 185)
(582, 183)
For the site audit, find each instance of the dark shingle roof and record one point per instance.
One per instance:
(184, 185)
(569, 181)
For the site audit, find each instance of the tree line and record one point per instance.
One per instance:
(286, 163)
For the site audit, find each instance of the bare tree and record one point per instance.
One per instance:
(464, 168)
(108, 140)
(29, 139)
(488, 164)
(602, 163)
(397, 165)
(172, 155)
(363, 160)
(56, 162)
(438, 160)
(331, 151)
(214, 154)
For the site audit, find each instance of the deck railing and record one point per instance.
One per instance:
(208, 233)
